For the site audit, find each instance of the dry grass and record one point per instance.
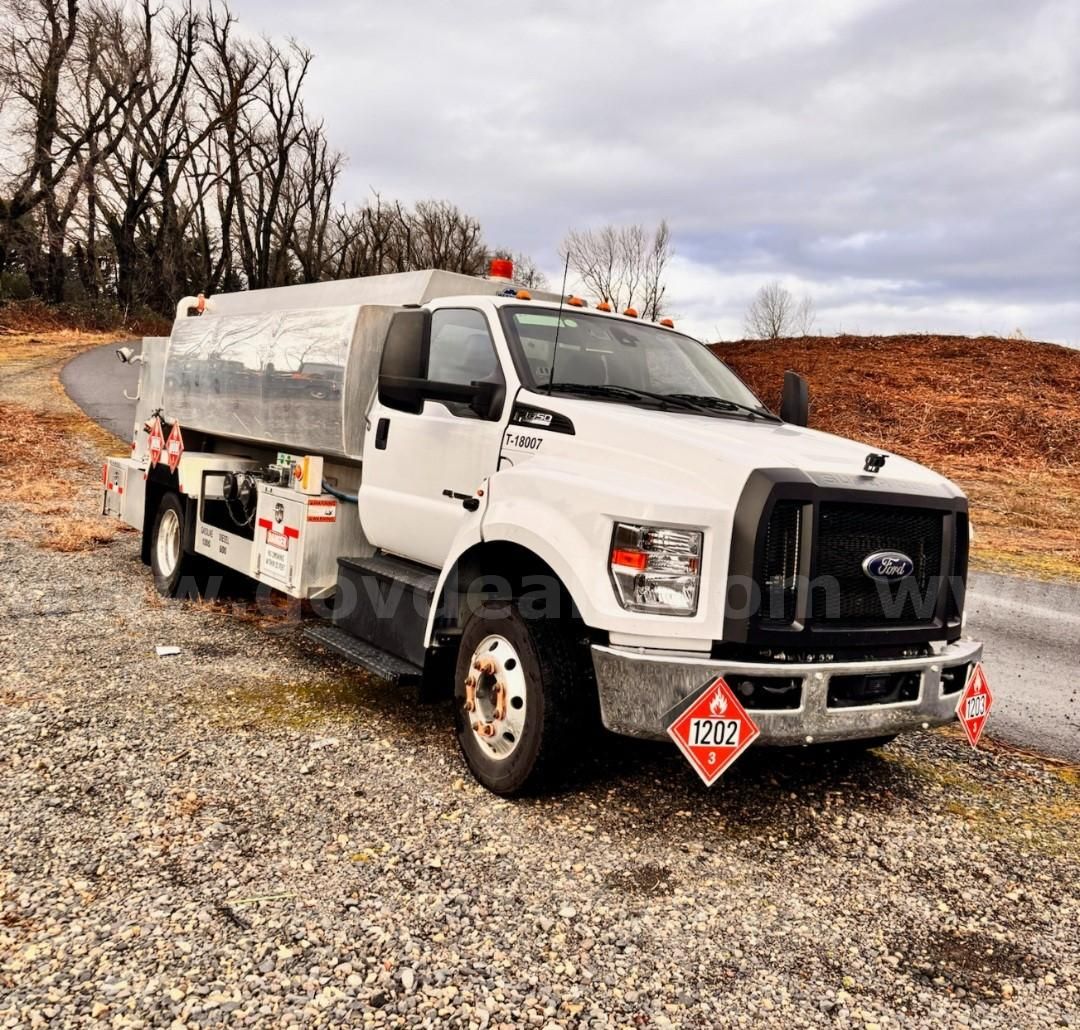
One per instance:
(39, 348)
(272, 611)
(48, 447)
(43, 455)
(75, 533)
(999, 417)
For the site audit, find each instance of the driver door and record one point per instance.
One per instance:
(420, 469)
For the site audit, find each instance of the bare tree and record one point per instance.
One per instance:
(160, 139)
(68, 94)
(624, 265)
(158, 152)
(805, 316)
(440, 235)
(227, 83)
(311, 193)
(775, 312)
(35, 69)
(656, 261)
(526, 271)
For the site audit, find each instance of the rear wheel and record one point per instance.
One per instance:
(175, 572)
(519, 692)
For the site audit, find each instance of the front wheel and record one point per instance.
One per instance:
(519, 697)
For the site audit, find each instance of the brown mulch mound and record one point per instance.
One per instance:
(951, 402)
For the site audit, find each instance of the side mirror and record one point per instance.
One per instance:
(402, 393)
(404, 361)
(402, 382)
(795, 404)
(408, 393)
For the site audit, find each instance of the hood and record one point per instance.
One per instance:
(698, 449)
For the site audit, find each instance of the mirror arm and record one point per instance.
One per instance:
(795, 408)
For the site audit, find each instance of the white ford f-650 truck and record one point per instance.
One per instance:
(556, 512)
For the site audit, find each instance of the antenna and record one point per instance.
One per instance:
(558, 320)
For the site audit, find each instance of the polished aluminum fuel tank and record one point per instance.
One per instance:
(293, 368)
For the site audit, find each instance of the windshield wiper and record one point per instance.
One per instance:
(704, 405)
(723, 404)
(630, 393)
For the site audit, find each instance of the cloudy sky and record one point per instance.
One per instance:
(910, 164)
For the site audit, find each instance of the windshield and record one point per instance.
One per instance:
(598, 351)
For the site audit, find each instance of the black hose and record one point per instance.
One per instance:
(339, 494)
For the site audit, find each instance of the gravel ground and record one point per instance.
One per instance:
(250, 833)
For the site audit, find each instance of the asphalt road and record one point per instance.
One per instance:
(97, 380)
(1030, 629)
(1031, 636)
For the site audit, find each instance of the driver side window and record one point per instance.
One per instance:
(461, 352)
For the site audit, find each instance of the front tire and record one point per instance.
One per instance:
(520, 689)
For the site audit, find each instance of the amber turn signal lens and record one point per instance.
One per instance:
(628, 559)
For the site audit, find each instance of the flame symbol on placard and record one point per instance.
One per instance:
(718, 705)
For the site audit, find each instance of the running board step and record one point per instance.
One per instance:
(379, 663)
(384, 601)
(420, 579)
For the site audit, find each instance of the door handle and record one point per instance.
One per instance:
(382, 431)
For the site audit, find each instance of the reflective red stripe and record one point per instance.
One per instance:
(289, 531)
(265, 524)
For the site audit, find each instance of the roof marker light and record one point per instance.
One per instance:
(524, 295)
(576, 302)
(630, 312)
(603, 306)
(667, 323)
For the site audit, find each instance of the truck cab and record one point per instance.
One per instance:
(553, 513)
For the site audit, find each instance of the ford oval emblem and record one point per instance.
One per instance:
(888, 565)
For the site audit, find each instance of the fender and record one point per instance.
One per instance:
(571, 533)
(468, 536)
(529, 541)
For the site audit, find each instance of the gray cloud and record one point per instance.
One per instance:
(911, 164)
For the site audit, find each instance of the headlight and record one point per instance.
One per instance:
(656, 568)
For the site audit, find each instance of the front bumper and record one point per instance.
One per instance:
(638, 688)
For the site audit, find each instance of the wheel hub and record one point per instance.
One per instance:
(168, 542)
(495, 696)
